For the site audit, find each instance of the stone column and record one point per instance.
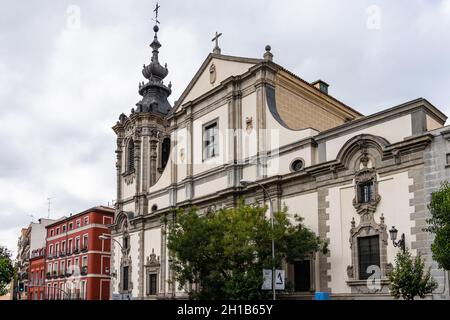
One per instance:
(119, 154)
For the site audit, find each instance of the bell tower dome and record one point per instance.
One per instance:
(143, 137)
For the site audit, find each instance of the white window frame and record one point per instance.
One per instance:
(215, 145)
(78, 239)
(78, 222)
(85, 240)
(84, 258)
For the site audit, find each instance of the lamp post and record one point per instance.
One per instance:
(246, 183)
(400, 243)
(106, 236)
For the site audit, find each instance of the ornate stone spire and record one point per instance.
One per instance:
(154, 92)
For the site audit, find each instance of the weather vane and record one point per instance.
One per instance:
(156, 13)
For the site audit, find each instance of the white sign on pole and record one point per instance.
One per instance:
(267, 284)
(279, 280)
(116, 296)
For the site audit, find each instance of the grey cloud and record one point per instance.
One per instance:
(61, 91)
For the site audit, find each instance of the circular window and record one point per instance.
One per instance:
(154, 208)
(297, 165)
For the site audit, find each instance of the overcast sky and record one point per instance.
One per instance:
(69, 68)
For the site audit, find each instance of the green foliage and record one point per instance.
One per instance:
(226, 251)
(6, 270)
(408, 279)
(439, 224)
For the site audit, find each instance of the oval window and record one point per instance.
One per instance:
(297, 165)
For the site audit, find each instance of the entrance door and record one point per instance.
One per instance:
(302, 276)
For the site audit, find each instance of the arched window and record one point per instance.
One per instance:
(165, 152)
(130, 157)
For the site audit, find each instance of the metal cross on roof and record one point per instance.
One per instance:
(216, 39)
(156, 13)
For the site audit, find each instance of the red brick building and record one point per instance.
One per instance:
(36, 277)
(77, 261)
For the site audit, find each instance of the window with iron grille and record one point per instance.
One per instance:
(368, 255)
(365, 192)
(130, 160)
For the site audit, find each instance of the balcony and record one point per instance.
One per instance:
(84, 249)
(69, 273)
(84, 270)
(55, 274)
(76, 250)
(62, 254)
(69, 253)
(50, 256)
(48, 275)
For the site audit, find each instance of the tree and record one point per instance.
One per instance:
(408, 279)
(225, 251)
(6, 270)
(439, 224)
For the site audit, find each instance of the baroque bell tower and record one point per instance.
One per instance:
(143, 137)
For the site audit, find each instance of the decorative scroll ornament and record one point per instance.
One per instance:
(182, 155)
(152, 260)
(249, 124)
(212, 74)
(129, 178)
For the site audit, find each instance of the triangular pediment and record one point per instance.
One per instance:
(215, 69)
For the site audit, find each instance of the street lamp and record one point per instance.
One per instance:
(247, 183)
(400, 243)
(106, 236)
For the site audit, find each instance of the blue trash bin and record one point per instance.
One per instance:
(322, 296)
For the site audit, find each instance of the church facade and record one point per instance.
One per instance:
(351, 177)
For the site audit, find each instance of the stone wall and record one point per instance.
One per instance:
(436, 171)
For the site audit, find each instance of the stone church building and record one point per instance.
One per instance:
(351, 177)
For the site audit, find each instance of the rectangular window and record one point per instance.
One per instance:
(57, 249)
(83, 290)
(55, 268)
(77, 244)
(49, 268)
(85, 258)
(57, 230)
(365, 192)
(64, 228)
(368, 255)
(78, 223)
(63, 267)
(63, 247)
(210, 141)
(70, 226)
(85, 242)
(55, 291)
(76, 266)
(51, 233)
(61, 291)
(152, 284)
(125, 278)
(70, 249)
(86, 221)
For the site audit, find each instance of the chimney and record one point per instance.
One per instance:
(321, 85)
